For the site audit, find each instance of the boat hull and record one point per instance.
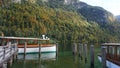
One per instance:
(36, 49)
(109, 64)
(44, 56)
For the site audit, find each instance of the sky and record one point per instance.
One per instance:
(112, 6)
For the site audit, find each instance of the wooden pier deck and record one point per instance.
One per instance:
(7, 53)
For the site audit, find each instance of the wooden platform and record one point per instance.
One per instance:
(6, 53)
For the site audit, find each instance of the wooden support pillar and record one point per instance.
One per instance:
(4, 53)
(103, 57)
(14, 58)
(4, 65)
(85, 52)
(91, 56)
(74, 48)
(9, 62)
(1, 65)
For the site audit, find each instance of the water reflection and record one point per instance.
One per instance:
(44, 56)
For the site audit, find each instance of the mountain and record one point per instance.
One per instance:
(57, 21)
(95, 13)
(118, 17)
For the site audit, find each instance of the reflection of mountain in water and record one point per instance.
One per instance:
(44, 56)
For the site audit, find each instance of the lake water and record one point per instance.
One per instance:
(65, 59)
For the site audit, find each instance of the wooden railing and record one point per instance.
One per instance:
(113, 58)
(6, 52)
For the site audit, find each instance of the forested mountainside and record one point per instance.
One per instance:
(58, 23)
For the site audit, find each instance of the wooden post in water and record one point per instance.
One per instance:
(56, 49)
(74, 48)
(91, 56)
(39, 50)
(25, 46)
(15, 55)
(103, 57)
(80, 50)
(85, 52)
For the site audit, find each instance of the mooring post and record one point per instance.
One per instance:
(25, 46)
(103, 57)
(56, 49)
(85, 52)
(91, 56)
(39, 50)
(80, 50)
(15, 54)
(74, 48)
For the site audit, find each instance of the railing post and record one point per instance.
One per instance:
(10, 46)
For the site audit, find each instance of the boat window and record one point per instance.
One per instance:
(113, 50)
(110, 49)
(118, 50)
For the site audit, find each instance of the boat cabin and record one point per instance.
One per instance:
(112, 52)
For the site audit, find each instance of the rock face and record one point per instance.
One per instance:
(118, 18)
(95, 13)
(70, 1)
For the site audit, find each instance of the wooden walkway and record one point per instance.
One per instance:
(7, 53)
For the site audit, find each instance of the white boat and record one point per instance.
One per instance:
(31, 48)
(109, 64)
(112, 55)
(35, 49)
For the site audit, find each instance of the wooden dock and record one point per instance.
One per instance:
(7, 54)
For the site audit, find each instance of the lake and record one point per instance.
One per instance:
(65, 59)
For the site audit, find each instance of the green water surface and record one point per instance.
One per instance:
(65, 59)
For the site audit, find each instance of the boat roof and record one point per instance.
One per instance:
(22, 38)
(110, 44)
